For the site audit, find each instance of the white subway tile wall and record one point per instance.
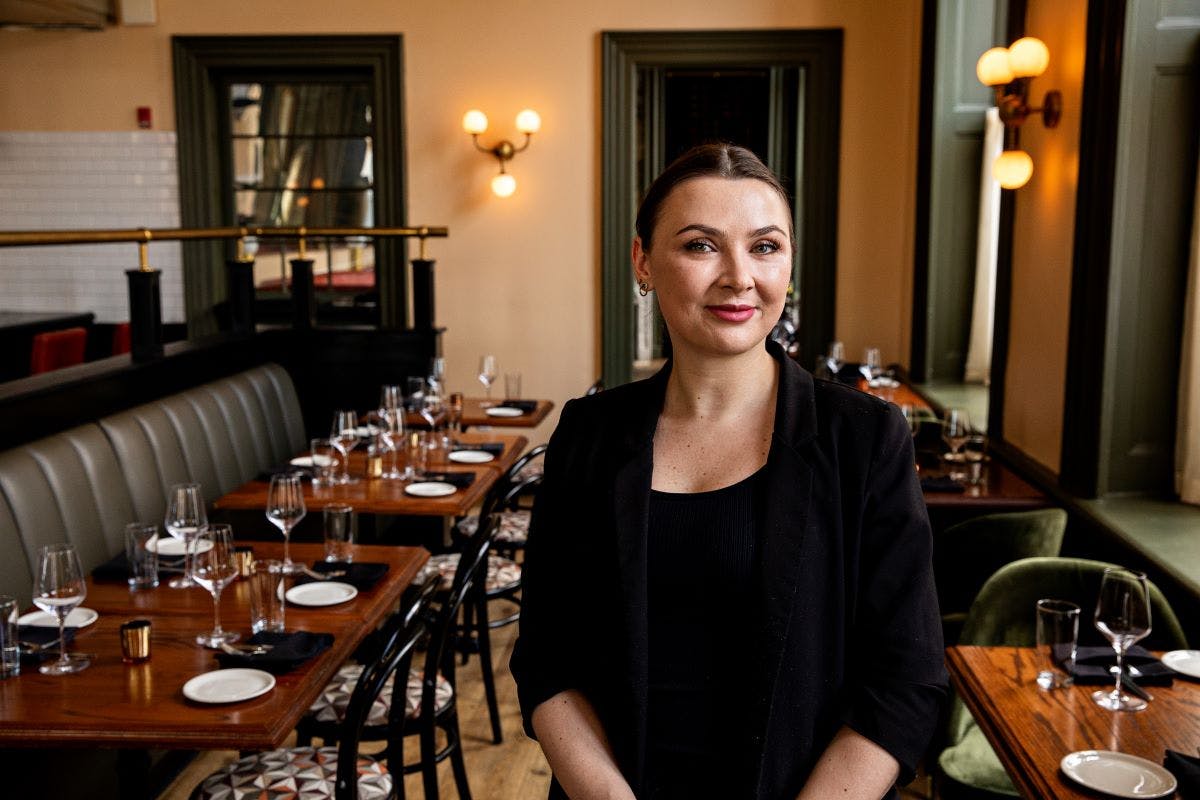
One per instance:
(69, 181)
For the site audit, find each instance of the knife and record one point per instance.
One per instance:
(1128, 683)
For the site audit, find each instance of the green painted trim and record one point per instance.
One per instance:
(200, 64)
(819, 53)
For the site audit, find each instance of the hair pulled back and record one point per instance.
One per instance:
(721, 160)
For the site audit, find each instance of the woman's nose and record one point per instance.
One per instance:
(737, 272)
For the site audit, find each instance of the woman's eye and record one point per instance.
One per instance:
(765, 247)
(699, 246)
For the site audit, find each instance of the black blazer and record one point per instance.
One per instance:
(849, 631)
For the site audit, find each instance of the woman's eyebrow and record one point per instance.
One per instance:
(716, 233)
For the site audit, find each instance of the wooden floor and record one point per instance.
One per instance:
(513, 770)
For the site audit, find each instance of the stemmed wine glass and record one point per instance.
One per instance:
(836, 358)
(344, 436)
(956, 429)
(285, 509)
(437, 373)
(185, 517)
(433, 411)
(1123, 616)
(390, 397)
(487, 376)
(58, 588)
(213, 565)
(392, 435)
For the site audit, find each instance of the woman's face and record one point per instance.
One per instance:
(720, 262)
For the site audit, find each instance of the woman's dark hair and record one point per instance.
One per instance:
(703, 161)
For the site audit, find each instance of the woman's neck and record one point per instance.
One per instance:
(715, 387)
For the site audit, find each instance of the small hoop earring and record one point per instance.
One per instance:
(643, 288)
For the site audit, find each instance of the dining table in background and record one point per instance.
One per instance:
(140, 706)
(475, 414)
(1031, 730)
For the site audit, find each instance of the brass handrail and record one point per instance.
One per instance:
(143, 235)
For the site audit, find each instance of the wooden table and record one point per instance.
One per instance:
(475, 414)
(377, 496)
(1031, 730)
(112, 704)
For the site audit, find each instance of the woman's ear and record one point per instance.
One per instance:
(639, 256)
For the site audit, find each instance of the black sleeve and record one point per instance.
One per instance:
(548, 657)
(901, 677)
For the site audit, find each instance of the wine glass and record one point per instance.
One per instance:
(836, 358)
(58, 588)
(285, 508)
(390, 397)
(344, 436)
(872, 366)
(185, 516)
(1123, 616)
(912, 417)
(213, 565)
(437, 372)
(487, 376)
(433, 411)
(956, 429)
(391, 434)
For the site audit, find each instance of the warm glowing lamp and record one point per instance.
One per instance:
(475, 122)
(1028, 57)
(528, 121)
(993, 68)
(1013, 169)
(503, 185)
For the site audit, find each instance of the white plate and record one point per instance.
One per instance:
(363, 431)
(321, 593)
(78, 618)
(1118, 774)
(471, 456)
(503, 411)
(228, 685)
(1185, 662)
(430, 489)
(311, 461)
(170, 546)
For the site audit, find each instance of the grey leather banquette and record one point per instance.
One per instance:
(85, 484)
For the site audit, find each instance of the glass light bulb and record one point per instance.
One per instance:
(529, 121)
(993, 68)
(1028, 57)
(474, 121)
(503, 185)
(1013, 169)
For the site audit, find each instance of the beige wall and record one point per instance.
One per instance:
(1042, 242)
(520, 277)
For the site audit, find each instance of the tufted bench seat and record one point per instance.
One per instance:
(85, 484)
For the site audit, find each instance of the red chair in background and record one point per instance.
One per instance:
(121, 340)
(57, 349)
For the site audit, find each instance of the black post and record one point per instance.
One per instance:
(145, 314)
(240, 275)
(422, 271)
(304, 297)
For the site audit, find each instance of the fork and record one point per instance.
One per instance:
(322, 576)
(245, 649)
(34, 648)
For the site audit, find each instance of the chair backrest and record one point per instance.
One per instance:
(469, 582)
(967, 554)
(401, 637)
(500, 495)
(57, 349)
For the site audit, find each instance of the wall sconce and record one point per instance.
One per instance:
(475, 122)
(1009, 71)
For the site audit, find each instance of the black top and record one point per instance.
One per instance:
(702, 570)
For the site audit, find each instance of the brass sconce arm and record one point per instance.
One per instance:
(1015, 109)
(503, 150)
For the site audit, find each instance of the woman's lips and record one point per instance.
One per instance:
(732, 313)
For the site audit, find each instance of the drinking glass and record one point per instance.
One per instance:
(391, 434)
(1123, 616)
(487, 376)
(185, 516)
(836, 358)
(416, 391)
(325, 462)
(433, 411)
(912, 417)
(956, 429)
(213, 565)
(285, 508)
(390, 397)
(1057, 637)
(344, 436)
(57, 589)
(437, 373)
(872, 366)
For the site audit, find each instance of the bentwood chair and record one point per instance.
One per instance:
(429, 695)
(967, 554)
(1003, 615)
(57, 349)
(340, 772)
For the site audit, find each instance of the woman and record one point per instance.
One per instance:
(728, 589)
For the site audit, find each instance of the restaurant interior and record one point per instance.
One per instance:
(223, 222)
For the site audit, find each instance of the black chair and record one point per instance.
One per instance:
(429, 697)
(340, 772)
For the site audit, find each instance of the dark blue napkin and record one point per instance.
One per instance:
(459, 480)
(362, 575)
(288, 651)
(1092, 664)
(1186, 770)
(495, 448)
(943, 483)
(35, 634)
(526, 406)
